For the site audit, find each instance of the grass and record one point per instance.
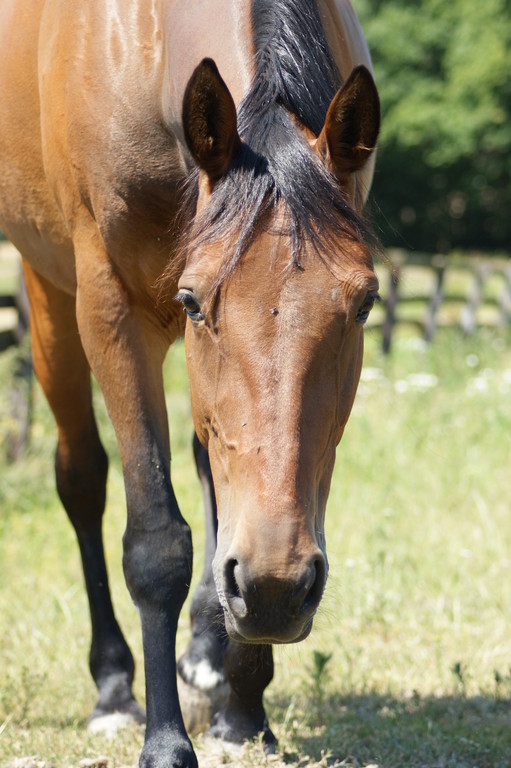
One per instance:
(409, 662)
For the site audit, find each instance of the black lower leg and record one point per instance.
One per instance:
(249, 670)
(158, 567)
(111, 661)
(81, 485)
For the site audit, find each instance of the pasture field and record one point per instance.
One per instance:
(409, 661)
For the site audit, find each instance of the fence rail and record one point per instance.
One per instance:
(428, 292)
(422, 291)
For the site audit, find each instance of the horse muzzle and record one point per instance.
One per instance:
(269, 608)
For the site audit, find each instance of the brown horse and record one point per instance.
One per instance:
(106, 107)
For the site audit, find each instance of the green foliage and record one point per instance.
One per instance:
(444, 169)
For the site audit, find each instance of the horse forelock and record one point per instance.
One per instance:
(295, 77)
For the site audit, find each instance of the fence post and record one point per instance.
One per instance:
(468, 315)
(20, 388)
(438, 264)
(390, 313)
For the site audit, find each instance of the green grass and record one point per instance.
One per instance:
(409, 662)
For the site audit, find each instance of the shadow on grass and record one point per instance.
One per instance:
(416, 732)
(355, 730)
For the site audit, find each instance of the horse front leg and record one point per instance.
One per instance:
(230, 676)
(81, 470)
(126, 346)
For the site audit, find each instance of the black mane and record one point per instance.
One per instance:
(294, 67)
(295, 74)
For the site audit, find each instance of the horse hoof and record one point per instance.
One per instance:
(198, 706)
(213, 751)
(233, 749)
(108, 724)
(235, 729)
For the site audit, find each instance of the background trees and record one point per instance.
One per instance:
(444, 169)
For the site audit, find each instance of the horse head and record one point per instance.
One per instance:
(277, 285)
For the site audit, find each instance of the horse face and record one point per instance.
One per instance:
(274, 355)
(274, 365)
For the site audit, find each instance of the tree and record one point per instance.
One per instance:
(443, 70)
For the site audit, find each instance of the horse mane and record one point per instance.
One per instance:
(296, 77)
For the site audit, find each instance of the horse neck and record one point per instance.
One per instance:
(218, 29)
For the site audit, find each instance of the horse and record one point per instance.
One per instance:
(170, 167)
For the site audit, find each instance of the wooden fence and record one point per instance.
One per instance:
(14, 313)
(428, 292)
(13, 300)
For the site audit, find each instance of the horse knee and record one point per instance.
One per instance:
(158, 564)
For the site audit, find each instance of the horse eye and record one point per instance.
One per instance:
(365, 309)
(190, 304)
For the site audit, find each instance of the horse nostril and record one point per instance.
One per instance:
(230, 583)
(233, 589)
(315, 591)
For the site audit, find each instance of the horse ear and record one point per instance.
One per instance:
(352, 125)
(209, 120)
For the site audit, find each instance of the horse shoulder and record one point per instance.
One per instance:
(113, 166)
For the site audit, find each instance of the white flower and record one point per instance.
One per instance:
(423, 380)
(371, 374)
